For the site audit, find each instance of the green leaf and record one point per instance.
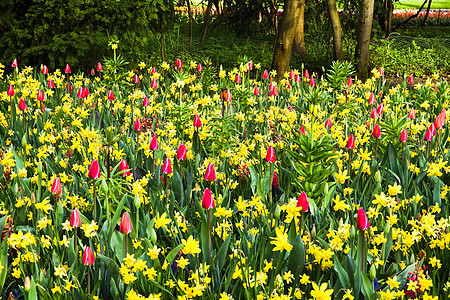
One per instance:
(115, 219)
(4, 262)
(222, 254)
(342, 273)
(254, 179)
(32, 294)
(111, 265)
(172, 254)
(296, 261)
(367, 286)
(177, 187)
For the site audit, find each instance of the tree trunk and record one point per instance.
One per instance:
(426, 15)
(299, 39)
(363, 37)
(389, 9)
(338, 53)
(207, 21)
(190, 24)
(285, 37)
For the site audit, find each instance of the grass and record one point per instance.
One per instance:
(416, 4)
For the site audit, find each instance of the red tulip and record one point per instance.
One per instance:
(199, 67)
(14, 63)
(371, 99)
(374, 113)
(44, 69)
(328, 124)
(270, 156)
(210, 174)
(297, 78)
(40, 95)
(197, 121)
(428, 135)
(67, 69)
(271, 85)
(237, 79)
(125, 224)
(256, 91)
(412, 114)
(403, 136)
(154, 144)
(154, 84)
(124, 167)
(250, 65)
(410, 79)
(439, 122)
(228, 96)
(380, 109)
(10, 90)
(292, 75)
(207, 201)
(351, 142)
(444, 113)
(88, 257)
(179, 64)
(99, 67)
(306, 74)
(301, 130)
(145, 102)
(136, 79)
(312, 82)
(94, 170)
(80, 93)
(274, 91)
(432, 129)
(153, 70)
(265, 74)
(137, 125)
(86, 91)
(349, 82)
(167, 167)
(92, 72)
(111, 95)
(362, 222)
(51, 84)
(181, 153)
(75, 219)
(376, 133)
(56, 187)
(303, 202)
(381, 71)
(22, 105)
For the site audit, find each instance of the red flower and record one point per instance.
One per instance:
(44, 69)
(137, 125)
(291, 74)
(14, 63)
(86, 91)
(237, 79)
(197, 121)
(10, 90)
(256, 91)
(371, 99)
(328, 124)
(154, 144)
(125, 224)
(381, 71)
(80, 93)
(306, 74)
(403, 136)
(124, 166)
(22, 105)
(75, 219)
(167, 167)
(362, 222)
(199, 67)
(154, 84)
(210, 174)
(303, 202)
(428, 135)
(94, 170)
(412, 114)
(312, 82)
(51, 84)
(111, 95)
(376, 133)
(265, 74)
(351, 142)
(181, 153)
(275, 181)
(136, 79)
(410, 79)
(56, 187)
(380, 109)
(88, 257)
(301, 130)
(40, 95)
(67, 69)
(99, 67)
(145, 102)
(207, 201)
(270, 156)
(349, 82)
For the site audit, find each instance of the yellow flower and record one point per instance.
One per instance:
(321, 293)
(393, 283)
(56, 289)
(162, 221)
(304, 279)
(153, 252)
(16, 273)
(190, 246)
(341, 176)
(182, 262)
(395, 189)
(348, 295)
(281, 240)
(340, 204)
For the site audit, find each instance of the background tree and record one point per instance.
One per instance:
(338, 52)
(299, 39)
(364, 32)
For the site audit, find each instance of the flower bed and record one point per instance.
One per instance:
(182, 181)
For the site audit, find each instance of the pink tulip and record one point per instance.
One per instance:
(88, 257)
(181, 153)
(136, 79)
(410, 79)
(210, 174)
(303, 202)
(137, 125)
(167, 167)
(124, 167)
(40, 95)
(94, 170)
(349, 82)
(10, 91)
(265, 74)
(403, 136)
(154, 144)
(22, 105)
(412, 114)
(154, 84)
(125, 224)
(197, 121)
(199, 67)
(328, 124)
(111, 95)
(351, 142)
(99, 67)
(75, 219)
(376, 133)
(362, 222)
(14, 63)
(145, 102)
(51, 84)
(67, 69)
(256, 91)
(270, 156)
(44, 69)
(56, 187)
(207, 200)
(371, 99)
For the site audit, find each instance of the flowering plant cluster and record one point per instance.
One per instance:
(180, 182)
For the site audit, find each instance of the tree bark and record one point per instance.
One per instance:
(389, 7)
(363, 37)
(299, 39)
(426, 15)
(285, 37)
(190, 24)
(338, 53)
(207, 21)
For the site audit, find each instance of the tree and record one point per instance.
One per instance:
(285, 37)
(364, 32)
(299, 39)
(338, 53)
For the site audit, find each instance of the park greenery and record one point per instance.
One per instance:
(142, 160)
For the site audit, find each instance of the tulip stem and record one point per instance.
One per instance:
(376, 148)
(126, 245)
(89, 280)
(75, 242)
(349, 165)
(208, 256)
(270, 187)
(95, 202)
(403, 148)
